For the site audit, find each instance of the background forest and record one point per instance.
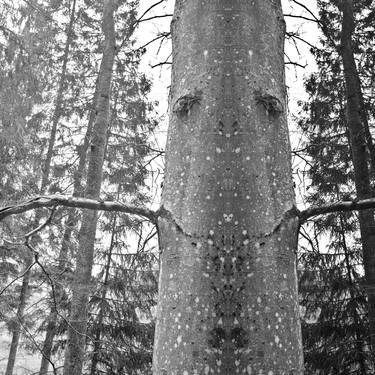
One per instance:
(83, 109)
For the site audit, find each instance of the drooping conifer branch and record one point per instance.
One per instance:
(61, 200)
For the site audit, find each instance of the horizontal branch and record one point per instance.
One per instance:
(343, 206)
(61, 200)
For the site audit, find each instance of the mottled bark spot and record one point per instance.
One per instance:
(272, 104)
(184, 104)
(239, 337)
(217, 337)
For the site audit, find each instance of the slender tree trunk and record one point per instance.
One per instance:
(74, 354)
(59, 99)
(228, 299)
(19, 319)
(359, 340)
(358, 142)
(96, 350)
(52, 319)
(16, 331)
(44, 182)
(71, 223)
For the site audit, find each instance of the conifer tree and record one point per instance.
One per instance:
(329, 145)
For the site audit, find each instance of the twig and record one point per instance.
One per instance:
(146, 11)
(18, 277)
(153, 17)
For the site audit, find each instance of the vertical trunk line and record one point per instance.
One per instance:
(20, 320)
(52, 319)
(71, 223)
(58, 102)
(96, 349)
(358, 337)
(44, 182)
(75, 350)
(356, 125)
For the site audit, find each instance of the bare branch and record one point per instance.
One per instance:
(148, 10)
(343, 206)
(301, 17)
(160, 64)
(319, 22)
(18, 277)
(41, 226)
(162, 36)
(61, 200)
(154, 17)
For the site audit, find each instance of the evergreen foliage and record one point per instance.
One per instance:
(332, 288)
(33, 46)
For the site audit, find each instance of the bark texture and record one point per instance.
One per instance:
(228, 292)
(75, 350)
(357, 124)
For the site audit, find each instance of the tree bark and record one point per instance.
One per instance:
(358, 142)
(74, 354)
(228, 291)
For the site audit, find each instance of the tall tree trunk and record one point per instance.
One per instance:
(96, 350)
(44, 182)
(228, 299)
(359, 340)
(19, 319)
(59, 100)
(71, 223)
(74, 354)
(358, 142)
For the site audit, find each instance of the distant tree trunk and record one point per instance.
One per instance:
(74, 354)
(228, 299)
(19, 319)
(96, 350)
(358, 143)
(359, 339)
(71, 223)
(44, 183)
(59, 99)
